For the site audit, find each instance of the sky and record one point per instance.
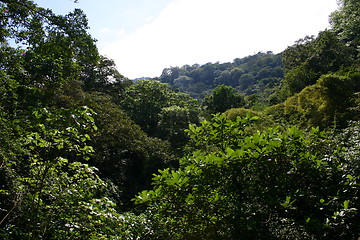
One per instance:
(145, 36)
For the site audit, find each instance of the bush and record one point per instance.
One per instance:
(269, 184)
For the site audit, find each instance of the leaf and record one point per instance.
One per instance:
(350, 177)
(276, 142)
(288, 202)
(230, 152)
(142, 197)
(254, 118)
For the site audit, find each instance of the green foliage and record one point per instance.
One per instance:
(326, 103)
(63, 177)
(266, 185)
(311, 57)
(153, 106)
(220, 132)
(123, 152)
(300, 77)
(263, 121)
(51, 50)
(47, 189)
(322, 74)
(349, 139)
(131, 226)
(246, 74)
(246, 80)
(173, 122)
(143, 102)
(223, 98)
(51, 193)
(308, 108)
(346, 21)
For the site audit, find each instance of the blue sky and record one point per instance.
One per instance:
(146, 36)
(126, 15)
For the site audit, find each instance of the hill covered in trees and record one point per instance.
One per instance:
(249, 75)
(264, 147)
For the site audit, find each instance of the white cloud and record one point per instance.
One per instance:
(200, 31)
(105, 31)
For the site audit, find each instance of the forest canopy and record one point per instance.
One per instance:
(264, 147)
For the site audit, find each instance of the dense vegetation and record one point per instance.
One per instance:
(265, 147)
(256, 75)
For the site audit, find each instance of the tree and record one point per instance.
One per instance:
(51, 192)
(182, 83)
(327, 104)
(223, 98)
(246, 80)
(52, 50)
(124, 154)
(270, 184)
(345, 22)
(143, 102)
(174, 120)
(311, 57)
(168, 75)
(339, 92)
(146, 99)
(230, 78)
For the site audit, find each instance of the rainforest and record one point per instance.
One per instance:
(264, 147)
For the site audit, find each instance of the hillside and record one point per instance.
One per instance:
(264, 147)
(249, 75)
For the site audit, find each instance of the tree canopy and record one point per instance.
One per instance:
(264, 147)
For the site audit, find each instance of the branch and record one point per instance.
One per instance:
(12, 209)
